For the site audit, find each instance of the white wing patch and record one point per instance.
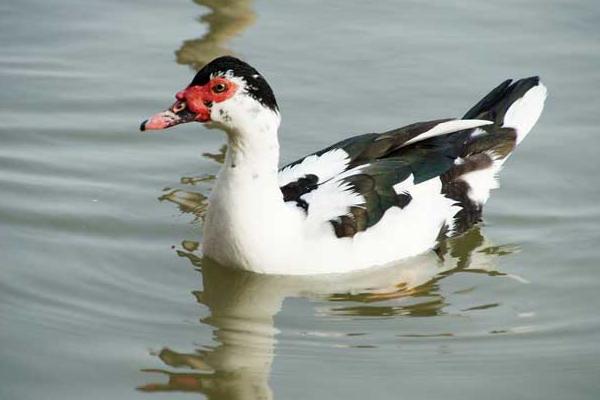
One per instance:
(325, 166)
(405, 185)
(333, 198)
(330, 201)
(477, 132)
(448, 127)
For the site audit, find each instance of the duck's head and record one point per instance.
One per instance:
(226, 93)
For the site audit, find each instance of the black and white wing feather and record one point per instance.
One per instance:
(354, 182)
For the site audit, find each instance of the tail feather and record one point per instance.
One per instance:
(524, 112)
(515, 105)
(486, 105)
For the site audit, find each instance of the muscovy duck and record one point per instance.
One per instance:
(369, 200)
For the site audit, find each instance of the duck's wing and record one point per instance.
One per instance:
(352, 183)
(305, 174)
(357, 150)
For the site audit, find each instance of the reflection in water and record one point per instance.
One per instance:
(227, 18)
(218, 157)
(467, 253)
(243, 305)
(194, 202)
(188, 202)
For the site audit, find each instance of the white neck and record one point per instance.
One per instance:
(247, 215)
(252, 135)
(253, 151)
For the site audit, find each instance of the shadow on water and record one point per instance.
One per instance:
(226, 19)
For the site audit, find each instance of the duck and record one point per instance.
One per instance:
(368, 201)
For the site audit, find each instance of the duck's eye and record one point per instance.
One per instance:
(219, 88)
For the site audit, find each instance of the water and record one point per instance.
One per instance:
(99, 297)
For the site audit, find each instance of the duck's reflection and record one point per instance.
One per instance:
(243, 305)
(225, 20)
(241, 314)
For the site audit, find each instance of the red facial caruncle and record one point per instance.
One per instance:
(193, 104)
(196, 100)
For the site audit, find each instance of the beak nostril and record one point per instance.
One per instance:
(208, 103)
(179, 107)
